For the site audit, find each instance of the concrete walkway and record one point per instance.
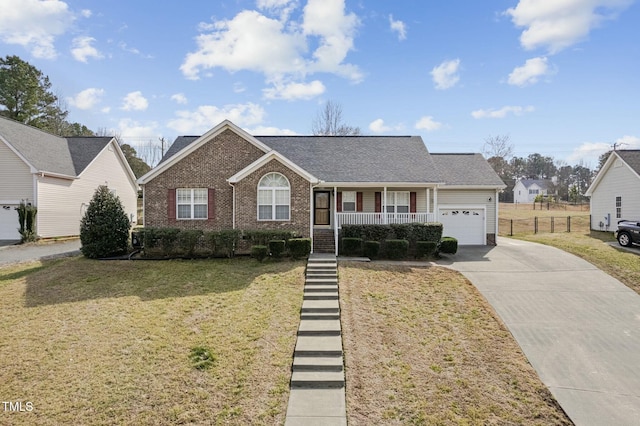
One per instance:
(41, 251)
(579, 327)
(317, 394)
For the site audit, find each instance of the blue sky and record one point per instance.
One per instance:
(560, 77)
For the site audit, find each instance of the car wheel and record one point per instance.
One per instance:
(624, 239)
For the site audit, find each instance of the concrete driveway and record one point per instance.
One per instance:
(27, 252)
(579, 327)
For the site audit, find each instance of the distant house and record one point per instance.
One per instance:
(526, 190)
(59, 176)
(615, 191)
(313, 185)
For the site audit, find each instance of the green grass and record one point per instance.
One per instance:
(93, 342)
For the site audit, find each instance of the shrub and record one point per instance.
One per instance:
(167, 238)
(27, 220)
(449, 245)
(276, 248)
(351, 246)
(259, 252)
(104, 228)
(149, 237)
(299, 247)
(425, 248)
(371, 249)
(262, 237)
(188, 240)
(226, 241)
(396, 249)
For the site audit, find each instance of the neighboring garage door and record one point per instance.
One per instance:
(9, 222)
(467, 225)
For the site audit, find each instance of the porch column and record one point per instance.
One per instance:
(428, 202)
(435, 203)
(335, 218)
(384, 206)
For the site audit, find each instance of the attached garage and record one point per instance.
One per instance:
(466, 223)
(9, 222)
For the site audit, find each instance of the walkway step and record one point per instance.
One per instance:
(319, 316)
(321, 281)
(318, 346)
(322, 273)
(317, 288)
(327, 327)
(312, 295)
(318, 363)
(317, 379)
(317, 306)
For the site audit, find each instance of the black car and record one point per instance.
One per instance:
(628, 233)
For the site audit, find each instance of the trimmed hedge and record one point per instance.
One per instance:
(262, 237)
(188, 240)
(411, 232)
(299, 247)
(425, 248)
(449, 245)
(351, 246)
(259, 252)
(396, 249)
(371, 249)
(276, 248)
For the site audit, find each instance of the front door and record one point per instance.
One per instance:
(322, 208)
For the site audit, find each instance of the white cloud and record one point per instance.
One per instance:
(82, 49)
(86, 13)
(446, 75)
(207, 116)
(502, 112)
(134, 101)
(559, 24)
(278, 48)
(34, 24)
(293, 91)
(378, 126)
(428, 123)
(530, 72)
(87, 98)
(281, 7)
(179, 98)
(270, 131)
(399, 27)
(132, 131)
(589, 152)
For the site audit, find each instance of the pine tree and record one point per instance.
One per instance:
(104, 229)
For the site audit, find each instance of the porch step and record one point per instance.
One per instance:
(323, 241)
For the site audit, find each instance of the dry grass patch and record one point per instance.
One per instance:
(423, 347)
(91, 342)
(593, 247)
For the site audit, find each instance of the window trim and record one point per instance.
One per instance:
(355, 201)
(273, 190)
(619, 207)
(192, 204)
(395, 202)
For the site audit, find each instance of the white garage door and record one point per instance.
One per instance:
(465, 224)
(9, 222)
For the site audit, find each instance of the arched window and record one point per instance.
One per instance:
(273, 197)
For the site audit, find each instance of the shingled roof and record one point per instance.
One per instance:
(631, 157)
(466, 170)
(49, 153)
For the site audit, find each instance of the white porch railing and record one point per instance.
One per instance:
(379, 218)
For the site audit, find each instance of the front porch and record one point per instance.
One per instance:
(349, 218)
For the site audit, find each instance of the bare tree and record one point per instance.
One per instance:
(329, 122)
(498, 146)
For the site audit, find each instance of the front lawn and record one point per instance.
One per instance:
(94, 342)
(423, 347)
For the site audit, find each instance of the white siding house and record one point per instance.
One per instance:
(526, 190)
(615, 191)
(59, 176)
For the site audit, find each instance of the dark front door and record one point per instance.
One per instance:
(322, 208)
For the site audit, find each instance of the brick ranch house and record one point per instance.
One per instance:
(313, 185)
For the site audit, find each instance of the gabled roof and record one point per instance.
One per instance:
(630, 157)
(466, 170)
(541, 183)
(47, 153)
(271, 155)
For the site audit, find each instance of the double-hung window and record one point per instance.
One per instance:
(274, 197)
(618, 207)
(348, 201)
(397, 202)
(192, 203)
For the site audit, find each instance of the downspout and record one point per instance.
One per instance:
(497, 216)
(311, 214)
(144, 206)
